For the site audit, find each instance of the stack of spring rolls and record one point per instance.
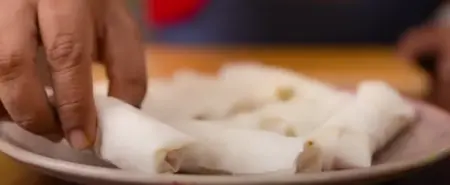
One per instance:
(249, 119)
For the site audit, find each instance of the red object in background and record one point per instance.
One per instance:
(166, 12)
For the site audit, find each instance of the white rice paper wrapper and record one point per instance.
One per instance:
(191, 96)
(246, 95)
(301, 116)
(236, 89)
(292, 119)
(344, 131)
(387, 106)
(351, 137)
(265, 84)
(222, 149)
(134, 141)
(253, 121)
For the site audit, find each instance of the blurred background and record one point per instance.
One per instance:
(279, 21)
(338, 41)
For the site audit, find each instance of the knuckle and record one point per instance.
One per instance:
(65, 53)
(11, 64)
(71, 106)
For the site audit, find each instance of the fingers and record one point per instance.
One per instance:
(419, 41)
(431, 40)
(428, 40)
(441, 89)
(21, 91)
(4, 116)
(442, 82)
(123, 55)
(66, 31)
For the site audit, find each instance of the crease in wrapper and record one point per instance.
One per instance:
(133, 141)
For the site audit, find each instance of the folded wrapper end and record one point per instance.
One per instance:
(133, 141)
(311, 159)
(356, 150)
(170, 160)
(341, 148)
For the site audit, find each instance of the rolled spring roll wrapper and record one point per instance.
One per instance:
(133, 141)
(239, 88)
(267, 84)
(192, 96)
(250, 122)
(343, 145)
(393, 112)
(291, 119)
(295, 118)
(222, 149)
(303, 115)
(351, 137)
(254, 121)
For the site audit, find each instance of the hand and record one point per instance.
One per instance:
(74, 33)
(431, 40)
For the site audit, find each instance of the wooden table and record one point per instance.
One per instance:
(341, 66)
(344, 66)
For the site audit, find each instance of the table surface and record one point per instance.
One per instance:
(341, 66)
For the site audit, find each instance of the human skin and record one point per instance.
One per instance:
(74, 33)
(431, 40)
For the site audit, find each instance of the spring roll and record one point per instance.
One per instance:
(295, 118)
(193, 96)
(304, 115)
(254, 121)
(238, 88)
(131, 140)
(384, 103)
(221, 149)
(351, 137)
(291, 119)
(268, 84)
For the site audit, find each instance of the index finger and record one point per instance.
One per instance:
(66, 31)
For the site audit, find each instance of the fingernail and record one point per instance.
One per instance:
(78, 139)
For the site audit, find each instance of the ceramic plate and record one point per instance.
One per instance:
(424, 143)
